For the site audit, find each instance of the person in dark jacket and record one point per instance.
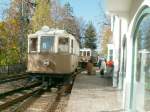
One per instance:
(89, 67)
(103, 68)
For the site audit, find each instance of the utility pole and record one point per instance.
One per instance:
(25, 15)
(21, 39)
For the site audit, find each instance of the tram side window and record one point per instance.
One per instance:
(33, 44)
(80, 53)
(88, 53)
(71, 46)
(63, 45)
(84, 53)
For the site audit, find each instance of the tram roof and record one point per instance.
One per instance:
(45, 30)
(85, 49)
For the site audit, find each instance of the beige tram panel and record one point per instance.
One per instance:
(57, 63)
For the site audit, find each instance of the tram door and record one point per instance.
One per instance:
(141, 66)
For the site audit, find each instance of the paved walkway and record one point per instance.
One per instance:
(94, 94)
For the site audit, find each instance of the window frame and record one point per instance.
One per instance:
(29, 42)
(145, 11)
(58, 48)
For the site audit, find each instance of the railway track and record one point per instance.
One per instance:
(49, 101)
(10, 98)
(13, 78)
(33, 98)
(46, 101)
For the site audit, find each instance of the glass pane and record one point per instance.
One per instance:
(88, 53)
(143, 62)
(80, 53)
(33, 44)
(111, 54)
(147, 81)
(63, 45)
(84, 53)
(46, 43)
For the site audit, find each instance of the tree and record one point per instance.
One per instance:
(82, 26)
(107, 34)
(90, 36)
(12, 35)
(68, 21)
(9, 52)
(42, 15)
(56, 13)
(68, 10)
(18, 26)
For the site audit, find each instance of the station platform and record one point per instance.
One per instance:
(92, 93)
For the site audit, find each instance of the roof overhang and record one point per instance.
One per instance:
(118, 6)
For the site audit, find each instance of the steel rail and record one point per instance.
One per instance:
(2, 95)
(25, 104)
(54, 106)
(13, 78)
(19, 99)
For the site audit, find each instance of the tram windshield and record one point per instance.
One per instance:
(46, 44)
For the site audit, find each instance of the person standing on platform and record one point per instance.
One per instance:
(110, 67)
(103, 67)
(99, 62)
(89, 67)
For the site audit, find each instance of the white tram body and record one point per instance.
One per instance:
(52, 51)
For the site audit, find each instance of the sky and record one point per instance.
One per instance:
(90, 10)
(3, 5)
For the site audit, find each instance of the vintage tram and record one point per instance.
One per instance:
(87, 54)
(84, 57)
(52, 53)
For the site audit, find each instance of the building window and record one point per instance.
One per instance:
(142, 63)
(111, 54)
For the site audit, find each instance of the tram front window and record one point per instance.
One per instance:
(46, 44)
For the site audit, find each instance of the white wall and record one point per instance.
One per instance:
(124, 25)
(116, 36)
(124, 29)
(130, 79)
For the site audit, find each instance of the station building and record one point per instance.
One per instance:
(130, 24)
